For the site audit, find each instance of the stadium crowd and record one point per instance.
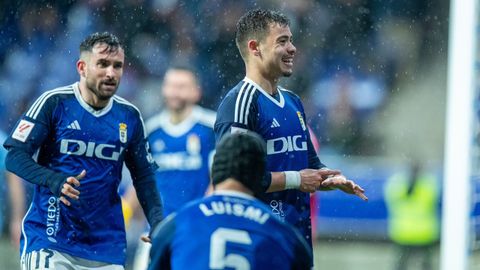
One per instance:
(351, 53)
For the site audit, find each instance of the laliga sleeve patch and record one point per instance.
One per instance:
(22, 130)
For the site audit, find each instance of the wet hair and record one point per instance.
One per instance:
(112, 42)
(243, 157)
(255, 24)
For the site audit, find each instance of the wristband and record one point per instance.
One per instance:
(292, 179)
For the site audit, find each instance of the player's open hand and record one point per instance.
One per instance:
(68, 188)
(347, 186)
(311, 179)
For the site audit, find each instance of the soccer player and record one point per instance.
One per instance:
(182, 142)
(81, 135)
(230, 229)
(258, 104)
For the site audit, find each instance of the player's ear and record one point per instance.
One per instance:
(254, 47)
(81, 67)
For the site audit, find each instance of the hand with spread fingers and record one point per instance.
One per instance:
(311, 179)
(68, 188)
(348, 186)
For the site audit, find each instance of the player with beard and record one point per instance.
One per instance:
(182, 142)
(259, 104)
(81, 135)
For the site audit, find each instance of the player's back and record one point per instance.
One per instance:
(228, 230)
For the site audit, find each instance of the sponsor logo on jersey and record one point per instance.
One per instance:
(193, 144)
(286, 144)
(122, 129)
(275, 123)
(178, 161)
(74, 125)
(89, 149)
(22, 130)
(299, 114)
(53, 218)
(277, 208)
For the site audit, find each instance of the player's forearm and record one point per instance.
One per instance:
(278, 182)
(21, 163)
(16, 195)
(149, 199)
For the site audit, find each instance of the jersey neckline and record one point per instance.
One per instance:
(88, 108)
(280, 103)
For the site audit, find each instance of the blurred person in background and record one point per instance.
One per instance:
(413, 216)
(182, 141)
(258, 104)
(231, 228)
(82, 134)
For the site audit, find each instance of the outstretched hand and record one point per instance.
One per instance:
(311, 179)
(348, 186)
(68, 189)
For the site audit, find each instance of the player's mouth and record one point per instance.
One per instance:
(288, 61)
(110, 84)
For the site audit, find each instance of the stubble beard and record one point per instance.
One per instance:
(96, 90)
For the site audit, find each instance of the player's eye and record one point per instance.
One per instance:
(118, 65)
(102, 64)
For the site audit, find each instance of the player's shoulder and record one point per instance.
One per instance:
(289, 93)
(240, 94)
(50, 98)
(157, 121)
(126, 105)
(204, 116)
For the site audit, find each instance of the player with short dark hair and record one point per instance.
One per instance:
(81, 135)
(258, 104)
(230, 229)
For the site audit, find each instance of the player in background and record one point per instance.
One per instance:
(182, 141)
(258, 104)
(81, 135)
(230, 229)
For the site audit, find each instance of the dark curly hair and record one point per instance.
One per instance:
(243, 157)
(255, 24)
(112, 41)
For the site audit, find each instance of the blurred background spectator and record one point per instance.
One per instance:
(372, 73)
(354, 56)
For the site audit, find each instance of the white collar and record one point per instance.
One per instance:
(88, 108)
(280, 103)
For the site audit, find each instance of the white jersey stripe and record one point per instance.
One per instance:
(25, 238)
(237, 103)
(248, 104)
(38, 104)
(244, 101)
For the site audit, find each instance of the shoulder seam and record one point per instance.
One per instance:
(38, 104)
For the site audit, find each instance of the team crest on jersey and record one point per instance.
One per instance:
(193, 144)
(301, 120)
(23, 130)
(122, 129)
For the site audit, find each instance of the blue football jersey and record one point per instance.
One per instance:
(68, 136)
(182, 152)
(280, 121)
(229, 230)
